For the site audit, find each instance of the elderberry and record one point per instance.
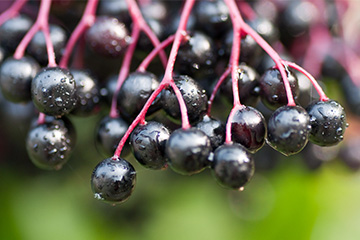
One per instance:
(53, 91)
(188, 151)
(16, 76)
(50, 144)
(113, 180)
(328, 122)
(288, 129)
(148, 144)
(233, 166)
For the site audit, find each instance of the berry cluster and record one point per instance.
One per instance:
(219, 48)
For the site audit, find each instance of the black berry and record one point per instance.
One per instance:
(248, 128)
(16, 76)
(288, 129)
(148, 144)
(328, 122)
(113, 180)
(214, 129)
(233, 166)
(188, 151)
(53, 91)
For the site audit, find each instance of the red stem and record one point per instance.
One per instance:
(87, 20)
(235, 108)
(42, 24)
(323, 97)
(166, 81)
(12, 11)
(124, 70)
(265, 46)
(138, 18)
(246, 10)
(216, 88)
(41, 118)
(146, 62)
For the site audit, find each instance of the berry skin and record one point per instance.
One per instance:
(108, 37)
(328, 122)
(109, 133)
(50, 144)
(188, 151)
(53, 91)
(272, 90)
(87, 92)
(248, 128)
(212, 17)
(134, 93)
(233, 166)
(197, 56)
(113, 180)
(148, 144)
(214, 129)
(15, 78)
(248, 83)
(14, 29)
(194, 96)
(288, 129)
(37, 46)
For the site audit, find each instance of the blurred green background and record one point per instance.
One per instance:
(287, 201)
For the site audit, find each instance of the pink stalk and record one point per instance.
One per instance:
(246, 10)
(12, 11)
(216, 89)
(42, 24)
(124, 70)
(265, 46)
(323, 97)
(167, 80)
(235, 108)
(41, 118)
(146, 62)
(138, 18)
(87, 20)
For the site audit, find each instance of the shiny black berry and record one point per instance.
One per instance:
(194, 96)
(188, 151)
(197, 56)
(288, 129)
(148, 144)
(134, 93)
(16, 76)
(113, 180)
(214, 129)
(109, 133)
(272, 90)
(248, 127)
(37, 46)
(233, 166)
(50, 144)
(53, 91)
(212, 17)
(108, 37)
(13, 30)
(328, 122)
(87, 94)
(248, 82)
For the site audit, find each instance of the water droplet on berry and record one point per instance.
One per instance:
(54, 150)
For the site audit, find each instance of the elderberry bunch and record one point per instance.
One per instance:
(173, 111)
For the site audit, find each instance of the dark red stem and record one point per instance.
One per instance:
(166, 81)
(216, 89)
(43, 25)
(12, 11)
(124, 70)
(87, 20)
(146, 62)
(138, 18)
